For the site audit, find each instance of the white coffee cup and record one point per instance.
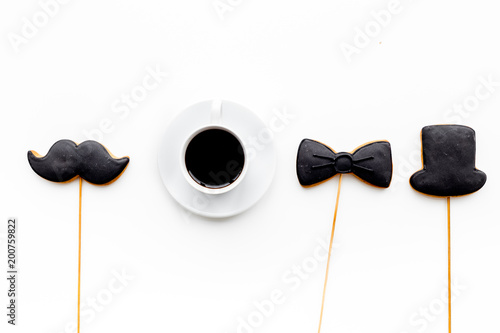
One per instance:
(216, 123)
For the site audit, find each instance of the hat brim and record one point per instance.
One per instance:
(448, 185)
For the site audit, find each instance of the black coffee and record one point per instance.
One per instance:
(214, 158)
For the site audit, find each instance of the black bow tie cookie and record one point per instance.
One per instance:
(316, 163)
(371, 163)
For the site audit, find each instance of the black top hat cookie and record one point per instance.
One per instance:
(448, 155)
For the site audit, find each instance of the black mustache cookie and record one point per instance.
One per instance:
(67, 160)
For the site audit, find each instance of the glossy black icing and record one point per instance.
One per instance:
(66, 160)
(372, 163)
(448, 155)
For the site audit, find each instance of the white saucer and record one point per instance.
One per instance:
(260, 158)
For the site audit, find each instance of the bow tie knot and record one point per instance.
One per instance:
(342, 162)
(317, 162)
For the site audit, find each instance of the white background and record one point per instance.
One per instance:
(191, 274)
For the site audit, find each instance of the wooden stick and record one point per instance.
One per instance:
(329, 254)
(79, 252)
(449, 265)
